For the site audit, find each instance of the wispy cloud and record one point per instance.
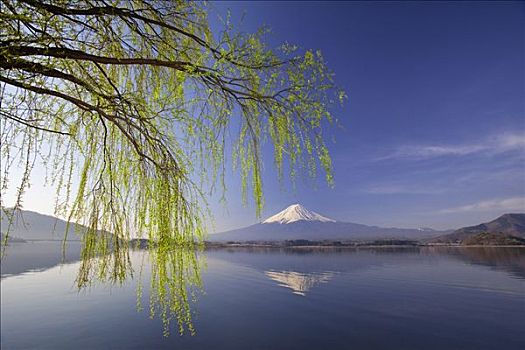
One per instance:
(490, 145)
(513, 174)
(507, 204)
(401, 189)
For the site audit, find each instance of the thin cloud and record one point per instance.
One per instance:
(401, 189)
(501, 143)
(512, 141)
(506, 204)
(481, 176)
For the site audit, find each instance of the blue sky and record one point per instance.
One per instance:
(433, 133)
(434, 130)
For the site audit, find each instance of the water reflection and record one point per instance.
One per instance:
(175, 284)
(361, 298)
(174, 278)
(508, 259)
(169, 282)
(20, 258)
(299, 283)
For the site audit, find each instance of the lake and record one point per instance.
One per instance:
(410, 298)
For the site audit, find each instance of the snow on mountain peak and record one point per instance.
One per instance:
(296, 212)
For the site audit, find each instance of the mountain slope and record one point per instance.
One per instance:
(29, 225)
(493, 239)
(297, 222)
(507, 224)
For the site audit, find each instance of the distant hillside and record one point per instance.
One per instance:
(319, 231)
(493, 239)
(507, 224)
(296, 223)
(29, 225)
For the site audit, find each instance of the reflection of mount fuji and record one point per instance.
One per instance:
(299, 283)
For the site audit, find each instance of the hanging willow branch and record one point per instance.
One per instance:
(140, 96)
(132, 105)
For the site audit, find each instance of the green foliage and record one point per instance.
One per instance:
(140, 101)
(175, 284)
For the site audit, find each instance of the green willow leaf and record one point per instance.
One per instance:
(132, 107)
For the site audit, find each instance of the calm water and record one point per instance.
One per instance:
(256, 299)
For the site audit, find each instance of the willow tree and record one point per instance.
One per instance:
(132, 107)
(138, 98)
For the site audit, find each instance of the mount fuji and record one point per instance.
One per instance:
(297, 222)
(294, 213)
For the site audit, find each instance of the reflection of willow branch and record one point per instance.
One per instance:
(104, 258)
(175, 278)
(175, 282)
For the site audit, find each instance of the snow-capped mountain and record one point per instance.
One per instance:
(296, 212)
(297, 222)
